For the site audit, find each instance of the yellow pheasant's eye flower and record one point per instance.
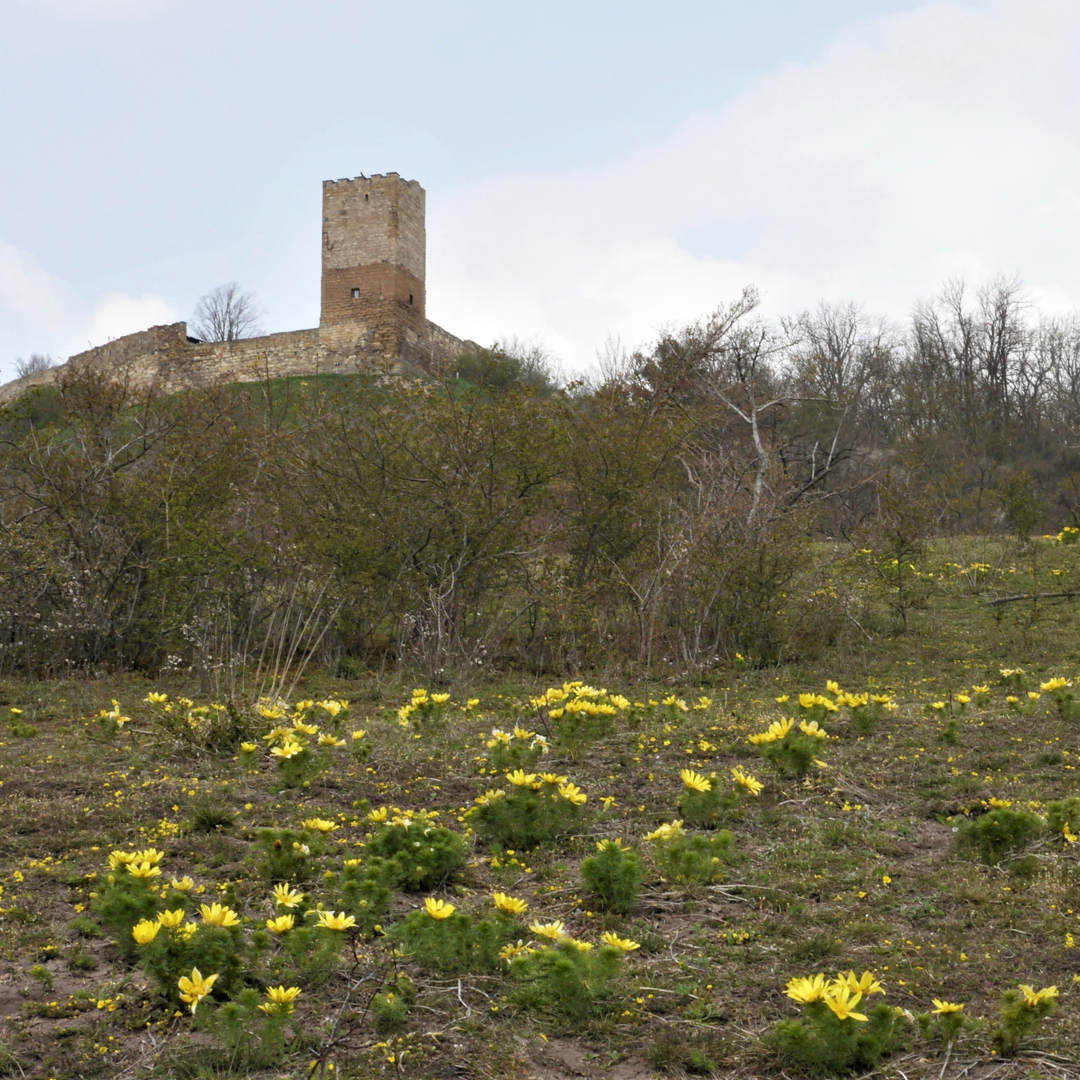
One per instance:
(695, 781)
(193, 990)
(438, 909)
(305, 729)
(520, 778)
(419, 695)
(319, 824)
(1069, 835)
(943, 1007)
(329, 921)
(833, 686)
(249, 747)
(145, 931)
(843, 1002)
(865, 985)
(440, 699)
(171, 919)
(625, 944)
(509, 952)
(330, 706)
(286, 896)
(351, 862)
(281, 999)
(1032, 997)
(552, 778)
(812, 730)
(499, 738)
(1055, 684)
(289, 750)
(522, 734)
(282, 924)
(489, 797)
(553, 930)
(666, 832)
(573, 794)
(510, 904)
(807, 990)
(119, 859)
(155, 699)
(379, 815)
(184, 884)
(1034, 695)
(963, 699)
(277, 734)
(330, 740)
(218, 915)
(149, 855)
(358, 734)
(555, 714)
(143, 870)
(744, 779)
(581, 946)
(267, 712)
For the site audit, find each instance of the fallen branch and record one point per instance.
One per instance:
(1032, 596)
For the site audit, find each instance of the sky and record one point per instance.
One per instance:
(594, 170)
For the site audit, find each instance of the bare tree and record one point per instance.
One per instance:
(226, 314)
(33, 366)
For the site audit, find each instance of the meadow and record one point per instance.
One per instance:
(487, 873)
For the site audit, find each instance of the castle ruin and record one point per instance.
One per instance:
(373, 309)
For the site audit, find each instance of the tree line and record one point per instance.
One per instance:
(662, 512)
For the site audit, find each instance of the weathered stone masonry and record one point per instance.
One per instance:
(373, 308)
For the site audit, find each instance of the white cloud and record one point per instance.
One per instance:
(107, 8)
(27, 290)
(116, 315)
(940, 141)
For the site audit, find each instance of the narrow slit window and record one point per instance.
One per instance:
(356, 294)
(410, 298)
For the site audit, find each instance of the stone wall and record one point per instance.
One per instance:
(164, 359)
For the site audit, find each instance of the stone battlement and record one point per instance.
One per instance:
(373, 309)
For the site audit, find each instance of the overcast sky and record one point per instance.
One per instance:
(592, 169)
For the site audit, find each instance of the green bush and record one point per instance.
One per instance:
(613, 876)
(998, 833)
(832, 1038)
(536, 809)
(365, 890)
(1022, 1011)
(566, 979)
(441, 937)
(697, 859)
(790, 749)
(288, 854)
(425, 856)
(702, 801)
(1062, 813)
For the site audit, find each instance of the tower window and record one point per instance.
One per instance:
(356, 294)
(410, 298)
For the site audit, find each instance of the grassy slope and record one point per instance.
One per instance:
(805, 893)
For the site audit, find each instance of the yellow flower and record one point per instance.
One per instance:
(665, 832)
(573, 794)
(283, 734)
(552, 778)
(289, 750)
(1069, 835)
(489, 797)
(275, 712)
(867, 985)
(330, 740)
(812, 730)
(553, 930)
(695, 781)
(143, 870)
(331, 706)
(319, 824)
(1054, 684)
(744, 779)
(305, 729)
(378, 816)
(155, 699)
(249, 747)
(942, 1007)
(184, 884)
(937, 705)
(438, 909)
(193, 990)
(149, 855)
(806, 990)
(623, 943)
(510, 904)
(702, 703)
(280, 998)
(1033, 997)
(171, 919)
(1034, 695)
(145, 931)
(520, 778)
(118, 859)
(440, 699)
(782, 699)
(286, 896)
(281, 924)
(521, 733)
(358, 734)
(218, 915)
(842, 1002)
(329, 921)
(832, 686)
(511, 951)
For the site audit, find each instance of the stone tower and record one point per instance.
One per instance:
(374, 246)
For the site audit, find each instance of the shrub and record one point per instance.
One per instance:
(519, 749)
(568, 978)
(691, 860)
(702, 800)
(366, 889)
(390, 1008)
(424, 711)
(425, 856)
(536, 809)
(999, 833)
(1062, 814)
(126, 898)
(440, 936)
(287, 854)
(789, 749)
(613, 875)
(831, 1037)
(1022, 1010)
(581, 714)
